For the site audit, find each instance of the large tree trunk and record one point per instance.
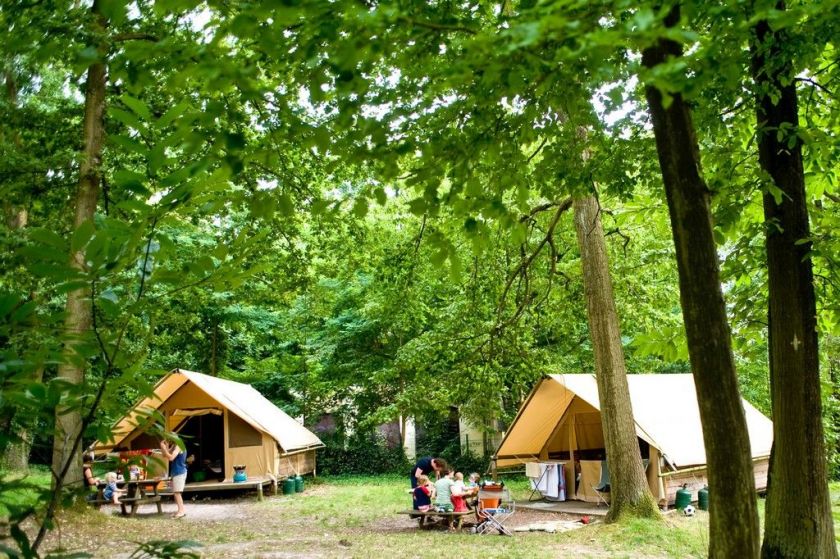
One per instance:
(79, 310)
(629, 491)
(798, 512)
(734, 528)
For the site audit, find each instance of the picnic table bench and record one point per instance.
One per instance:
(454, 519)
(138, 492)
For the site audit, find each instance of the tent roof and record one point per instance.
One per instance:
(664, 408)
(240, 399)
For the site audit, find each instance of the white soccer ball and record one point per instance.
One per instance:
(689, 510)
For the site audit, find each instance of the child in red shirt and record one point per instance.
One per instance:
(422, 494)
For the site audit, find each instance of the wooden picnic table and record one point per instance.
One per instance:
(137, 492)
(454, 519)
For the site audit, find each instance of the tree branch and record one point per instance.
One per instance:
(521, 270)
(438, 26)
(134, 36)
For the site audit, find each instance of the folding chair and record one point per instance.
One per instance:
(494, 508)
(603, 486)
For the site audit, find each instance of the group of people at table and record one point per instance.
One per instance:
(111, 491)
(448, 493)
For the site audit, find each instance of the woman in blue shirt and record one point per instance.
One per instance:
(178, 473)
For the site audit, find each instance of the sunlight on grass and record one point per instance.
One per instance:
(23, 491)
(357, 517)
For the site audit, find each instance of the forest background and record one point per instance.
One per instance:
(373, 229)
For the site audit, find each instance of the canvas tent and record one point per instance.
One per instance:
(561, 420)
(223, 423)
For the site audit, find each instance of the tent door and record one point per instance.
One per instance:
(203, 436)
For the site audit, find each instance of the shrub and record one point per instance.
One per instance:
(361, 453)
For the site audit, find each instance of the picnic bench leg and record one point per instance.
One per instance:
(159, 507)
(122, 508)
(134, 506)
(460, 522)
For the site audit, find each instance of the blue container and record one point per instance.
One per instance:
(239, 476)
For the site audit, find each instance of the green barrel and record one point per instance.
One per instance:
(288, 486)
(703, 499)
(683, 497)
(299, 484)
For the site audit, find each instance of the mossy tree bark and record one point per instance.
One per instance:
(78, 318)
(798, 522)
(734, 527)
(629, 491)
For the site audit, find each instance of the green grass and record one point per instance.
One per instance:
(18, 490)
(355, 516)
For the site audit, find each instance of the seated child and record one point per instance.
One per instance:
(422, 494)
(111, 493)
(443, 491)
(473, 482)
(471, 491)
(458, 493)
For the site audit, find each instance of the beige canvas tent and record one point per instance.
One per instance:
(561, 421)
(223, 423)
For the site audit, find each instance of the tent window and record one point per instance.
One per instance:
(241, 434)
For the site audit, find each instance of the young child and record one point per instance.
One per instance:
(474, 479)
(443, 490)
(422, 494)
(459, 490)
(111, 493)
(471, 491)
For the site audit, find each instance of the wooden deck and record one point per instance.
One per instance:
(568, 507)
(258, 483)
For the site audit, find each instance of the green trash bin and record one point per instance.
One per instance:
(299, 484)
(703, 498)
(683, 497)
(289, 486)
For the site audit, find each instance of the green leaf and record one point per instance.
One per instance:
(47, 237)
(129, 144)
(113, 10)
(82, 235)
(360, 207)
(125, 117)
(381, 197)
(172, 114)
(131, 181)
(136, 105)
(285, 205)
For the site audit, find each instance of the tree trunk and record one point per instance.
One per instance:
(214, 347)
(734, 527)
(79, 310)
(629, 491)
(16, 454)
(798, 512)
